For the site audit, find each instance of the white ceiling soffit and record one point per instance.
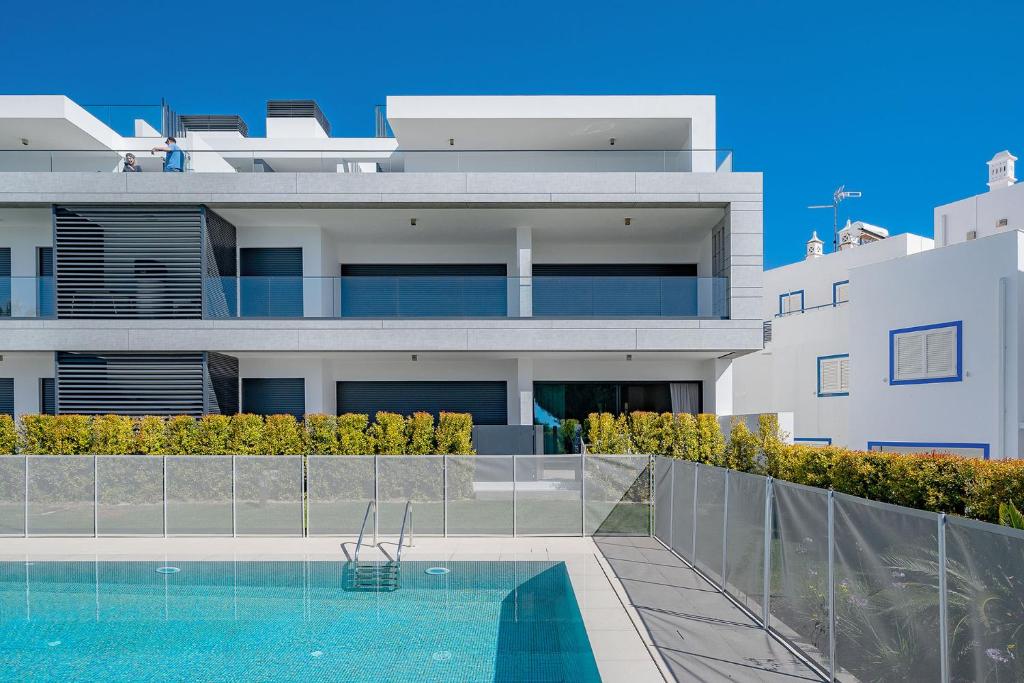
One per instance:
(51, 122)
(548, 122)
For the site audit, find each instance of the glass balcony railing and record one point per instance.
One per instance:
(465, 297)
(376, 161)
(27, 297)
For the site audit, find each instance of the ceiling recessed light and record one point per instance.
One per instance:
(415, 358)
(628, 221)
(629, 356)
(611, 141)
(451, 142)
(412, 222)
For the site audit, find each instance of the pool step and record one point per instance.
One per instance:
(373, 577)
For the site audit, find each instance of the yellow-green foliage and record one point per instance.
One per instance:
(420, 427)
(742, 449)
(70, 435)
(8, 435)
(213, 434)
(352, 434)
(769, 437)
(647, 432)
(686, 426)
(710, 442)
(387, 433)
(245, 434)
(607, 433)
(454, 434)
(149, 435)
(112, 435)
(322, 434)
(282, 436)
(35, 433)
(182, 435)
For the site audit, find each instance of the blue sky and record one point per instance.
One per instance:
(904, 101)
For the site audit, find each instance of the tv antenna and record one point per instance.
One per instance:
(837, 197)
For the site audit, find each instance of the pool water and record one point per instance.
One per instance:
(282, 621)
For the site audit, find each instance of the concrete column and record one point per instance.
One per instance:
(521, 289)
(524, 390)
(718, 387)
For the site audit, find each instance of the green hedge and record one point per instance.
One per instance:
(242, 434)
(938, 482)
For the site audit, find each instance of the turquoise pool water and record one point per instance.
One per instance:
(282, 621)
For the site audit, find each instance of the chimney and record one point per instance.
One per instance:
(1000, 170)
(814, 246)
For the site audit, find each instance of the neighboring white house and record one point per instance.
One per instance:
(926, 353)
(527, 259)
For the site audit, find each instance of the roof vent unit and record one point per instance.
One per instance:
(972, 234)
(214, 123)
(296, 119)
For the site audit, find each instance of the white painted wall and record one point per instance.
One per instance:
(982, 213)
(959, 282)
(26, 369)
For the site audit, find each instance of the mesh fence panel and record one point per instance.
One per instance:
(985, 594)
(268, 495)
(886, 592)
(199, 495)
(548, 501)
(338, 488)
(662, 498)
(744, 563)
(799, 559)
(617, 490)
(12, 495)
(130, 495)
(681, 529)
(480, 495)
(61, 493)
(710, 521)
(416, 478)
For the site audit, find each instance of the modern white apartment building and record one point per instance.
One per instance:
(526, 259)
(903, 343)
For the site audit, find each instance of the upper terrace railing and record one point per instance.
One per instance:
(314, 160)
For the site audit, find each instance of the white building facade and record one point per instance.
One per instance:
(526, 259)
(906, 343)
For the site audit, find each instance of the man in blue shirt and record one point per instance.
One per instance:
(174, 158)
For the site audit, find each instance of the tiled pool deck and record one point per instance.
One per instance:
(648, 616)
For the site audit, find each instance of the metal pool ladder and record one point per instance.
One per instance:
(373, 576)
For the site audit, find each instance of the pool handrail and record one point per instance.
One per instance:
(407, 515)
(372, 505)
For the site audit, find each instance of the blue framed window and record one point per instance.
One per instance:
(956, 448)
(926, 354)
(834, 375)
(791, 302)
(840, 292)
(813, 440)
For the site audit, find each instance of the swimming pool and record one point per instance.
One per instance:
(282, 620)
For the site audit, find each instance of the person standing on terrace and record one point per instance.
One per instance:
(174, 158)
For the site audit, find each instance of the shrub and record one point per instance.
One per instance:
(420, 427)
(245, 434)
(742, 449)
(710, 442)
(769, 436)
(149, 435)
(352, 434)
(36, 433)
(646, 432)
(8, 435)
(283, 436)
(70, 435)
(387, 433)
(112, 435)
(182, 435)
(454, 434)
(322, 434)
(213, 434)
(995, 482)
(568, 435)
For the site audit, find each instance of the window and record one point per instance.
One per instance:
(7, 395)
(925, 354)
(274, 396)
(967, 450)
(834, 375)
(791, 302)
(840, 292)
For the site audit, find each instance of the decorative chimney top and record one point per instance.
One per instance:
(814, 246)
(1000, 170)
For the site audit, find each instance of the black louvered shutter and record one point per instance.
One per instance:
(271, 284)
(274, 396)
(130, 383)
(7, 395)
(47, 399)
(486, 401)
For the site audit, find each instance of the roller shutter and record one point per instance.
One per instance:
(486, 401)
(7, 395)
(271, 282)
(274, 396)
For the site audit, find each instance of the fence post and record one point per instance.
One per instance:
(766, 590)
(943, 602)
(831, 585)
(671, 503)
(515, 511)
(444, 493)
(95, 498)
(26, 496)
(164, 467)
(725, 530)
(651, 500)
(583, 497)
(376, 503)
(305, 507)
(234, 496)
(693, 539)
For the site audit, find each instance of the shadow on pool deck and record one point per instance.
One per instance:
(700, 634)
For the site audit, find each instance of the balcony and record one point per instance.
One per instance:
(286, 297)
(247, 159)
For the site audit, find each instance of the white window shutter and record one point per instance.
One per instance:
(830, 380)
(940, 352)
(926, 354)
(909, 356)
(844, 375)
